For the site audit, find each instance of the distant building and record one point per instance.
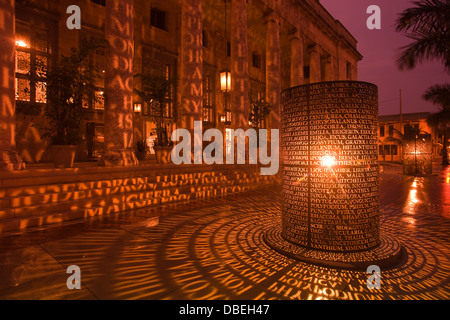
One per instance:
(392, 125)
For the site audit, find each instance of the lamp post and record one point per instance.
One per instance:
(415, 155)
(225, 76)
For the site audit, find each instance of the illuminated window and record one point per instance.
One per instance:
(208, 109)
(158, 19)
(31, 63)
(169, 97)
(228, 114)
(99, 103)
(229, 141)
(160, 66)
(41, 92)
(23, 91)
(97, 60)
(23, 62)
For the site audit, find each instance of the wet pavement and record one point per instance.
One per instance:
(214, 249)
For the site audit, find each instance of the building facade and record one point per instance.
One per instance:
(265, 46)
(394, 126)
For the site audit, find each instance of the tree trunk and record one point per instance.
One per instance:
(444, 149)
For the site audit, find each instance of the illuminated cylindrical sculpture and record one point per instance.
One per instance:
(418, 155)
(330, 166)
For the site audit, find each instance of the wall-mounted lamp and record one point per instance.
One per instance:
(22, 43)
(225, 81)
(137, 107)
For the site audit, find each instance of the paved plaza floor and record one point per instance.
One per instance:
(215, 250)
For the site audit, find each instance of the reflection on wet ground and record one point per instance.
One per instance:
(214, 250)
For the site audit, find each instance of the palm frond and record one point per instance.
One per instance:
(431, 13)
(434, 46)
(439, 94)
(428, 24)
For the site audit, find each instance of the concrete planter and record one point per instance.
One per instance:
(63, 155)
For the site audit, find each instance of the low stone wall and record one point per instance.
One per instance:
(43, 196)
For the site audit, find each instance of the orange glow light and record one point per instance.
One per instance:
(22, 43)
(328, 161)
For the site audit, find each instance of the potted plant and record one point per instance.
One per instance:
(155, 92)
(70, 86)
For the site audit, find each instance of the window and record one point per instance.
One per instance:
(97, 59)
(158, 19)
(208, 109)
(394, 150)
(204, 39)
(380, 150)
(306, 72)
(228, 49)
(169, 97)
(228, 115)
(381, 130)
(387, 150)
(391, 130)
(99, 101)
(349, 70)
(406, 128)
(95, 139)
(256, 60)
(416, 127)
(100, 2)
(31, 63)
(165, 70)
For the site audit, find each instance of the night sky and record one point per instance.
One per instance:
(380, 48)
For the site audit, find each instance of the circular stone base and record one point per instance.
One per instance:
(389, 254)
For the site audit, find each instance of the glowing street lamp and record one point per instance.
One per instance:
(225, 81)
(22, 43)
(137, 107)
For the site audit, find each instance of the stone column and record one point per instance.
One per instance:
(296, 58)
(273, 68)
(191, 63)
(239, 65)
(119, 84)
(9, 158)
(314, 64)
(329, 69)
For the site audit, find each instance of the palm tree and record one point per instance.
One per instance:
(440, 95)
(428, 24)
